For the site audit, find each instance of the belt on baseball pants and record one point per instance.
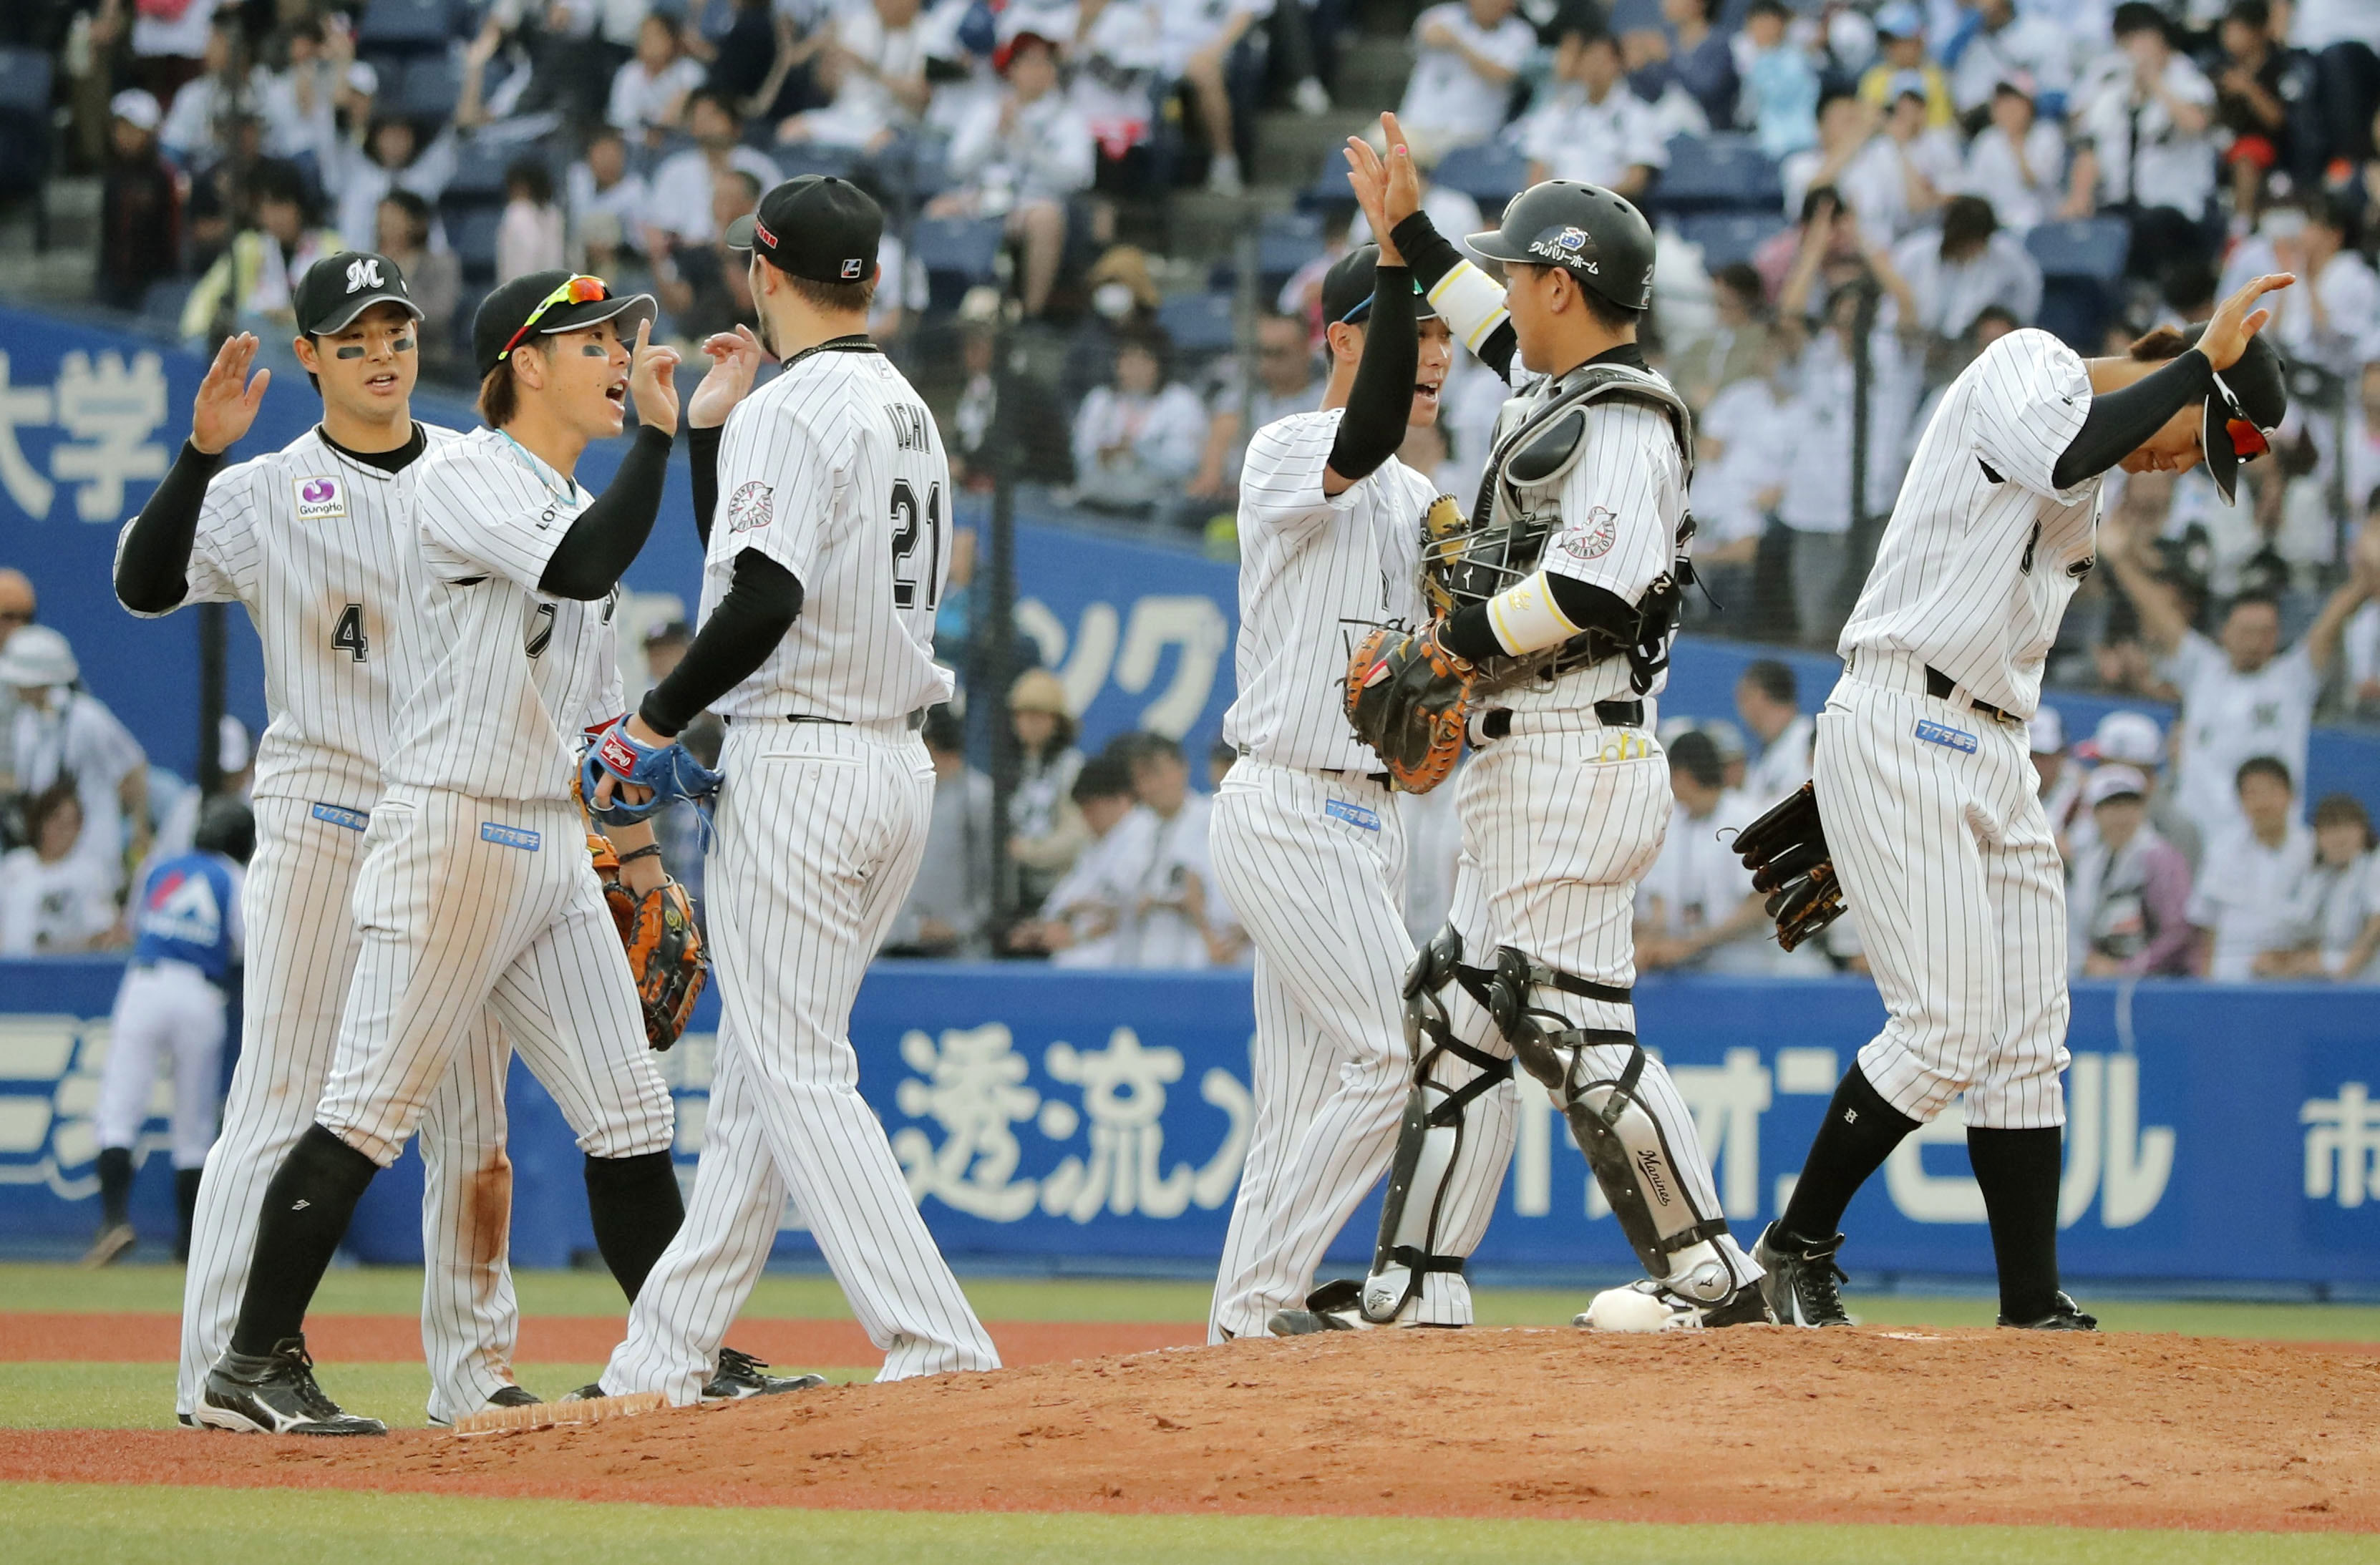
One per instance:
(913, 720)
(1345, 774)
(1902, 671)
(1497, 721)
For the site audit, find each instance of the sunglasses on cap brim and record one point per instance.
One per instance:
(576, 290)
(2249, 438)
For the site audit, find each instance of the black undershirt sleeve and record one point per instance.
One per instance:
(1380, 401)
(607, 536)
(2120, 420)
(1469, 634)
(763, 598)
(1431, 255)
(702, 456)
(153, 574)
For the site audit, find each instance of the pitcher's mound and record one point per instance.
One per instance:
(1754, 1423)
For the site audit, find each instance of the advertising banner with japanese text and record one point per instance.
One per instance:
(2216, 1135)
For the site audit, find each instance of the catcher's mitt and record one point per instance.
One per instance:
(663, 946)
(1786, 851)
(1407, 697)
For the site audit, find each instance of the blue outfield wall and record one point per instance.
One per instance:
(2217, 1136)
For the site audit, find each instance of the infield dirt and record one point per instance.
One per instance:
(1747, 1425)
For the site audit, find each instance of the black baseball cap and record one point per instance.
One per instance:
(339, 287)
(1347, 289)
(817, 226)
(530, 305)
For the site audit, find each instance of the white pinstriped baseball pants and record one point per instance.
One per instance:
(302, 945)
(821, 829)
(1558, 825)
(1314, 865)
(1948, 860)
(457, 921)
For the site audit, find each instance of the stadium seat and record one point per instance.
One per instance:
(1285, 241)
(404, 25)
(24, 120)
(1198, 323)
(1726, 237)
(1490, 173)
(429, 91)
(479, 176)
(798, 158)
(1725, 172)
(1329, 188)
(471, 231)
(2092, 248)
(957, 253)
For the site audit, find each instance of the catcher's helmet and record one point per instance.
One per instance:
(226, 827)
(1594, 233)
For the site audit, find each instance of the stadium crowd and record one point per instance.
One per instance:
(1853, 198)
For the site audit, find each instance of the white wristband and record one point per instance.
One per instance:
(1471, 302)
(1526, 618)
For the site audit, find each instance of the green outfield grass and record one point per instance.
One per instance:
(67, 1524)
(398, 1291)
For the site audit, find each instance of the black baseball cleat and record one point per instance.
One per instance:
(503, 1396)
(274, 1393)
(740, 1374)
(2064, 1315)
(1336, 1305)
(1803, 1284)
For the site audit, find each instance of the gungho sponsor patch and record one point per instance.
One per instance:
(320, 499)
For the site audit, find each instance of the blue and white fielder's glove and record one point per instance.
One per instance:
(667, 770)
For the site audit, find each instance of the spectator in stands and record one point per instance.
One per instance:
(949, 909)
(1205, 46)
(1967, 266)
(2257, 79)
(1177, 917)
(2018, 161)
(2245, 697)
(680, 203)
(1845, 126)
(1600, 134)
(168, 49)
(1779, 98)
(140, 205)
(302, 103)
(196, 131)
(610, 206)
(1768, 699)
(55, 898)
(2133, 739)
(875, 72)
(1695, 907)
(1137, 441)
(18, 608)
(2342, 938)
(762, 55)
(1112, 50)
(2060, 780)
(648, 93)
(1286, 383)
(529, 235)
(1996, 42)
(1743, 445)
(249, 287)
(2252, 896)
(1021, 157)
(1082, 921)
(1898, 181)
(2328, 317)
(1734, 347)
(1466, 54)
(2144, 150)
(64, 731)
(1688, 56)
(707, 288)
(433, 278)
(2343, 36)
(1046, 833)
(2129, 909)
(388, 156)
(1901, 56)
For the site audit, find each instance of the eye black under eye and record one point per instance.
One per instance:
(351, 350)
(594, 350)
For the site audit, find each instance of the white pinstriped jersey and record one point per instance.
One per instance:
(1316, 572)
(836, 470)
(318, 548)
(1621, 505)
(1983, 551)
(514, 674)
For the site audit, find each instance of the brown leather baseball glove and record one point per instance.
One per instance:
(663, 946)
(1408, 698)
(1786, 851)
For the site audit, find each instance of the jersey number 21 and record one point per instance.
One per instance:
(909, 526)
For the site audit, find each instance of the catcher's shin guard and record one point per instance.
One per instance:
(1625, 1143)
(1430, 1143)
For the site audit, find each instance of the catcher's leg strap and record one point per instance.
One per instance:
(1624, 1141)
(1430, 1139)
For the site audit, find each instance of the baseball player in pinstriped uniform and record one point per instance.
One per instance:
(316, 540)
(1925, 782)
(1564, 591)
(1305, 836)
(826, 551)
(476, 894)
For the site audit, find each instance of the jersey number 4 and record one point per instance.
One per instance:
(909, 526)
(348, 636)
